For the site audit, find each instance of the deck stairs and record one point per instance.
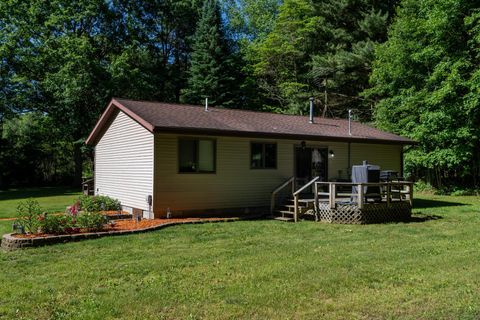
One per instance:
(286, 211)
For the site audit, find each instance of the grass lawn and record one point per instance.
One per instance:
(5, 227)
(54, 199)
(427, 269)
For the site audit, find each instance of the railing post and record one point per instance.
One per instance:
(332, 195)
(295, 214)
(272, 203)
(410, 194)
(389, 191)
(316, 201)
(360, 196)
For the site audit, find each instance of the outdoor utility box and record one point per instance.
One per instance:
(366, 173)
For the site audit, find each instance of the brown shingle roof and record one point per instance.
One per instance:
(182, 118)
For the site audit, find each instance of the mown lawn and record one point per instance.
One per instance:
(427, 269)
(5, 227)
(54, 199)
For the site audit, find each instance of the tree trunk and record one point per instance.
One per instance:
(78, 161)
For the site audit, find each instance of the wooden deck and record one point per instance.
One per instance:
(342, 202)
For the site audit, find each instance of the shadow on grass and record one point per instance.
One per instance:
(14, 194)
(419, 217)
(427, 203)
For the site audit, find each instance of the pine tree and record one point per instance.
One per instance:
(314, 43)
(212, 62)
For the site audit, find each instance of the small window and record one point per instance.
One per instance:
(263, 155)
(196, 155)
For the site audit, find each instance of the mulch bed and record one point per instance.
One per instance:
(133, 225)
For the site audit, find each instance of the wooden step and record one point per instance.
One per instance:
(285, 219)
(303, 200)
(293, 206)
(285, 212)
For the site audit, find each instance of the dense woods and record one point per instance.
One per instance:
(409, 67)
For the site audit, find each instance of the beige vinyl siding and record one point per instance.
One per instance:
(124, 162)
(388, 157)
(234, 184)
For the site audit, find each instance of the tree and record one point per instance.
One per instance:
(250, 20)
(426, 80)
(67, 59)
(34, 151)
(321, 44)
(212, 65)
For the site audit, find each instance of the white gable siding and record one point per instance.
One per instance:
(124, 162)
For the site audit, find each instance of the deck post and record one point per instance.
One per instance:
(295, 214)
(389, 191)
(316, 201)
(410, 194)
(332, 195)
(360, 196)
(272, 203)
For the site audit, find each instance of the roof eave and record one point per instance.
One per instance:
(218, 132)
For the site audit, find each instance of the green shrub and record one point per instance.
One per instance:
(422, 186)
(98, 203)
(91, 220)
(29, 214)
(55, 224)
(464, 192)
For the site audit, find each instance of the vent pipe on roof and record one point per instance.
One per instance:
(206, 104)
(349, 122)
(311, 110)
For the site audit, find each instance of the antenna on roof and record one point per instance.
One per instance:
(311, 110)
(206, 103)
(349, 122)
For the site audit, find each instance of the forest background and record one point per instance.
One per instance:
(409, 67)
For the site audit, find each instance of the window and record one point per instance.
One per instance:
(196, 155)
(263, 155)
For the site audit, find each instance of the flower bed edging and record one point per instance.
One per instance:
(9, 242)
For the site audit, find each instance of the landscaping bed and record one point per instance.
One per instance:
(87, 218)
(13, 241)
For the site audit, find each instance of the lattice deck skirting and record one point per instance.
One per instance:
(370, 213)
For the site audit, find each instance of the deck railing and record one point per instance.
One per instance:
(290, 181)
(387, 192)
(296, 196)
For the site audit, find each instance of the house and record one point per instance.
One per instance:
(164, 158)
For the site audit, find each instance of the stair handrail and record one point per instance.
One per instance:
(290, 180)
(309, 183)
(296, 195)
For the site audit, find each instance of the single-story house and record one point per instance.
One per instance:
(165, 158)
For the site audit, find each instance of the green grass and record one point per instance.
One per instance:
(5, 227)
(427, 269)
(54, 199)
